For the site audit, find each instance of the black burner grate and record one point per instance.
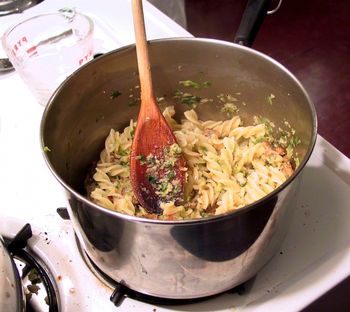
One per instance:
(30, 270)
(121, 291)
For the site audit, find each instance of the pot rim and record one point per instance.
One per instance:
(186, 221)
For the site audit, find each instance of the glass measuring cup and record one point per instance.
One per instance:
(47, 48)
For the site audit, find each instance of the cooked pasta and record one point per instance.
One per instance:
(229, 166)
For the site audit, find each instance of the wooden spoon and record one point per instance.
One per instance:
(157, 164)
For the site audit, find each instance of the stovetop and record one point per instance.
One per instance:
(314, 257)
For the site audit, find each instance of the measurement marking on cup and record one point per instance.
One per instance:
(86, 57)
(32, 50)
(19, 44)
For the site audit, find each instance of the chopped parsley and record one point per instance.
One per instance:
(195, 85)
(152, 179)
(187, 98)
(161, 173)
(230, 109)
(171, 174)
(115, 94)
(175, 150)
(269, 98)
(297, 162)
(133, 102)
(122, 152)
(142, 159)
(294, 141)
(268, 124)
(203, 149)
(259, 140)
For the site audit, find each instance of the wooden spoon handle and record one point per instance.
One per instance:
(143, 61)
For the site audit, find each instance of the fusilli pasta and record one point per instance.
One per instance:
(229, 166)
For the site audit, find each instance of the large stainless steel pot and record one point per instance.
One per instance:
(183, 259)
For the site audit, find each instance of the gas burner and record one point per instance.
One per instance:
(37, 285)
(122, 292)
(16, 6)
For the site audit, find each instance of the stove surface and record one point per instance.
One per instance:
(314, 257)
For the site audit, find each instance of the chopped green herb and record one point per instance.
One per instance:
(142, 159)
(270, 98)
(187, 98)
(170, 175)
(133, 102)
(294, 141)
(46, 149)
(163, 186)
(190, 100)
(152, 179)
(203, 149)
(175, 150)
(122, 152)
(115, 94)
(289, 150)
(230, 109)
(259, 140)
(268, 124)
(195, 85)
(297, 162)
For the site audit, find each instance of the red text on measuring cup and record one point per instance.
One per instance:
(19, 43)
(86, 57)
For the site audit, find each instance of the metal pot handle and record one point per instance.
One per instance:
(270, 12)
(253, 16)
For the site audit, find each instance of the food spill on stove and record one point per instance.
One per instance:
(35, 280)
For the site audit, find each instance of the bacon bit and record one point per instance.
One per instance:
(211, 209)
(277, 150)
(151, 216)
(268, 147)
(134, 200)
(287, 169)
(281, 151)
(169, 217)
(210, 133)
(191, 205)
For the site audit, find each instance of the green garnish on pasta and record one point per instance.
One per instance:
(229, 165)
